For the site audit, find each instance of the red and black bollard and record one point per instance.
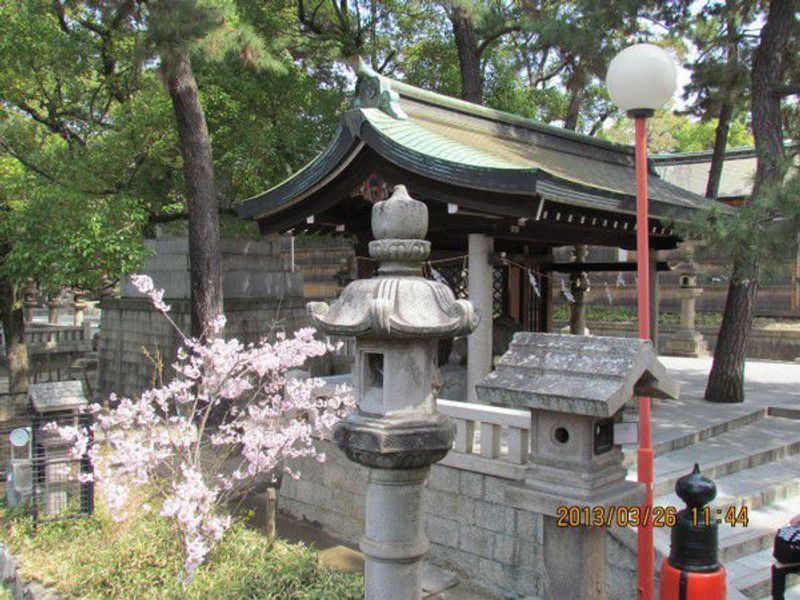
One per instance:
(692, 571)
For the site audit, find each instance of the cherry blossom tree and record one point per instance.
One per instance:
(231, 418)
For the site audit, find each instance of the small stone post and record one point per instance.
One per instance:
(397, 319)
(29, 302)
(687, 341)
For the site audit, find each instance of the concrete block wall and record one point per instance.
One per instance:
(262, 295)
(470, 528)
(129, 326)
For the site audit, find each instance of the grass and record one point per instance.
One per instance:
(96, 558)
(624, 314)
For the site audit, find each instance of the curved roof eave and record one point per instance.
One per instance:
(357, 130)
(327, 164)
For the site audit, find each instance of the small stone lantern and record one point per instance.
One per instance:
(576, 388)
(397, 319)
(687, 341)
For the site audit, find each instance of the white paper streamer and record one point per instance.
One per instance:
(567, 294)
(534, 285)
(436, 275)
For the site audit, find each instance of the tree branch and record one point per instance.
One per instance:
(496, 35)
(788, 89)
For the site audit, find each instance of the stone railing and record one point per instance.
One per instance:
(47, 336)
(489, 439)
(54, 348)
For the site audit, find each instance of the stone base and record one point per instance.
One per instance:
(527, 495)
(687, 343)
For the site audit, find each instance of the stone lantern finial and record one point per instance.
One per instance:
(399, 302)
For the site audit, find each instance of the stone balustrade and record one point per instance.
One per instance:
(489, 433)
(56, 335)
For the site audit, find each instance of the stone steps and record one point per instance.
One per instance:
(753, 459)
(764, 517)
(766, 440)
(756, 487)
(674, 427)
(751, 575)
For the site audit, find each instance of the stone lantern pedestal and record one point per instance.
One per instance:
(52, 310)
(687, 341)
(397, 319)
(575, 388)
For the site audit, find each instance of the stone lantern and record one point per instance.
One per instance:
(575, 388)
(687, 341)
(397, 319)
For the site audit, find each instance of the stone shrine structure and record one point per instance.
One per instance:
(261, 294)
(575, 388)
(502, 192)
(397, 319)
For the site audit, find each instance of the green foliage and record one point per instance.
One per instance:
(141, 559)
(623, 314)
(671, 132)
(87, 129)
(61, 239)
(762, 233)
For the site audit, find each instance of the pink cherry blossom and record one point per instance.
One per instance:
(229, 419)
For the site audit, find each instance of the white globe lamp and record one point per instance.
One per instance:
(642, 78)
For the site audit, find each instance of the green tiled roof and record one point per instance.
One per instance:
(471, 146)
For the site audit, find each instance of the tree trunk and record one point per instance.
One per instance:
(203, 204)
(720, 144)
(576, 86)
(577, 281)
(469, 58)
(726, 380)
(13, 318)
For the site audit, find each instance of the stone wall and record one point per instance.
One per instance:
(470, 528)
(766, 344)
(130, 327)
(261, 296)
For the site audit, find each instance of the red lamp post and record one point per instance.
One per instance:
(640, 79)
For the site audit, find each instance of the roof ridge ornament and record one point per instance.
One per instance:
(374, 91)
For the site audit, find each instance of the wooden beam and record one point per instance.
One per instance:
(597, 267)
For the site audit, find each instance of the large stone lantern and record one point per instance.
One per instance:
(687, 341)
(397, 319)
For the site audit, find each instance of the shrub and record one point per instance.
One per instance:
(96, 558)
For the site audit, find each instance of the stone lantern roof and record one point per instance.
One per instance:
(686, 267)
(57, 396)
(585, 375)
(399, 302)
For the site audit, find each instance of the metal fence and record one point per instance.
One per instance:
(43, 475)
